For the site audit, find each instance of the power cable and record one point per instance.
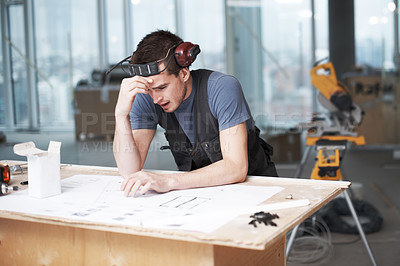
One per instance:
(314, 243)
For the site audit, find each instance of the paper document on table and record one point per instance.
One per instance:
(97, 198)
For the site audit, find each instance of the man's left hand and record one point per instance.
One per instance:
(142, 181)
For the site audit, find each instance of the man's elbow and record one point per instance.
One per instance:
(241, 172)
(127, 167)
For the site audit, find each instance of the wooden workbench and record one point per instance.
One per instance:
(28, 239)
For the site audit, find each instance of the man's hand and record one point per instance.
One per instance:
(144, 181)
(130, 87)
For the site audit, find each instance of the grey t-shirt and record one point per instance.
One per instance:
(225, 98)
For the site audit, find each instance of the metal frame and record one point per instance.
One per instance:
(313, 55)
(33, 102)
(128, 29)
(33, 106)
(396, 56)
(230, 51)
(6, 66)
(102, 27)
(349, 204)
(178, 17)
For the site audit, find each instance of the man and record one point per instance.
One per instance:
(208, 124)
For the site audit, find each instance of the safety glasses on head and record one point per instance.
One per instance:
(184, 53)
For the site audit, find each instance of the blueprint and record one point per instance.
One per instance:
(97, 198)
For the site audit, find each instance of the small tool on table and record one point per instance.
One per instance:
(5, 173)
(5, 179)
(4, 188)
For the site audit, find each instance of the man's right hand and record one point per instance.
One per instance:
(130, 87)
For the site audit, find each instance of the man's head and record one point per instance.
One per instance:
(159, 50)
(156, 46)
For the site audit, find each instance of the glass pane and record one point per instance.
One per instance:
(246, 50)
(205, 26)
(19, 66)
(2, 88)
(84, 40)
(287, 36)
(321, 29)
(115, 30)
(321, 40)
(152, 15)
(278, 32)
(52, 36)
(374, 33)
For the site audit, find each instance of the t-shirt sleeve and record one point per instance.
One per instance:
(143, 113)
(227, 102)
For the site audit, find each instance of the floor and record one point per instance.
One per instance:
(374, 171)
(375, 176)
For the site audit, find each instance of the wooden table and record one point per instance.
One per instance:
(28, 239)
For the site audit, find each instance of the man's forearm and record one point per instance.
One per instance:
(231, 169)
(125, 151)
(219, 173)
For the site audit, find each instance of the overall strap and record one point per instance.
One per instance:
(206, 126)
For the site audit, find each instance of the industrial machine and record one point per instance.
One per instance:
(344, 115)
(330, 133)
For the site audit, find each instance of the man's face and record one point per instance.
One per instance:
(168, 90)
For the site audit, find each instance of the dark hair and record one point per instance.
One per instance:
(155, 46)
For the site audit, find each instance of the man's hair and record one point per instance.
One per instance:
(155, 46)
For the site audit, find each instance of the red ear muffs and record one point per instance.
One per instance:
(185, 53)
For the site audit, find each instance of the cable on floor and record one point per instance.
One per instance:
(313, 243)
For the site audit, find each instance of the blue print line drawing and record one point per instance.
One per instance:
(185, 202)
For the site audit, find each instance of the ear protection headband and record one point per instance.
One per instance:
(184, 54)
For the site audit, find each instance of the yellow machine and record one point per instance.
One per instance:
(331, 133)
(323, 77)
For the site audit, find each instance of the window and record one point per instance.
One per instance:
(53, 33)
(206, 30)
(274, 39)
(265, 44)
(115, 30)
(189, 22)
(19, 78)
(374, 33)
(149, 16)
(321, 30)
(84, 40)
(66, 52)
